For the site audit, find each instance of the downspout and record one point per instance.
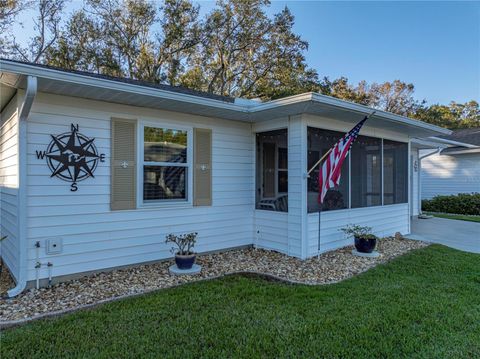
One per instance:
(26, 106)
(420, 158)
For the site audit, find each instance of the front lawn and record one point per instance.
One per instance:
(460, 217)
(424, 304)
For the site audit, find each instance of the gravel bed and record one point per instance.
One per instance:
(6, 281)
(331, 267)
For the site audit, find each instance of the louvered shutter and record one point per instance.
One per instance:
(123, 164)
(202, 158)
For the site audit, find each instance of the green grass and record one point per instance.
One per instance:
(460, 217)
(423, 305)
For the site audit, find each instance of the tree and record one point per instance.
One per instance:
(454, 116)
(47, 27)
(126, 30)
(342, 89)
(245, 53)
(396, 97)
(285, 71)
(9, 9)
(82, 46)
(181, 33)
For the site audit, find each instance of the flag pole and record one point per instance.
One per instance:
(319, 228)
(321, 204)
(318, 162)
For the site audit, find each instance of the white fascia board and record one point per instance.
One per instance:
(463, 151)
(378, 113)
(425, 143)
(251, 109)
(290, 100)
(451, 142)
(69, 77)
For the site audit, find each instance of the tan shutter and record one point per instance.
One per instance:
(202, 157)
(124, 164)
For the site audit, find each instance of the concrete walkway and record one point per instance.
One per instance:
(457, 234)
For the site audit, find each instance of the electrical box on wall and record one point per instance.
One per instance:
(54, 245)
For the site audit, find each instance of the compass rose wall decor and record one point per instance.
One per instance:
(72, 157)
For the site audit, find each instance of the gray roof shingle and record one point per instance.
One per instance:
(159, 86)
(466, 135)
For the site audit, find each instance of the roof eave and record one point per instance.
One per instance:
(67, 77)
(379, 113)
(235, 111)
(452, 142)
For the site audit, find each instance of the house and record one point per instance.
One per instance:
(95, 171)
(453, 169)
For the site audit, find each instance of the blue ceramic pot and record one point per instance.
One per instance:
(365, 245)
(185, 261)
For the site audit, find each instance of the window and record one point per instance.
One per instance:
(166, 164)
(366, 167)
(319, 142)
(272, 171)
(395, 172)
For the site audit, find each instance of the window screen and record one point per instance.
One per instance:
(272, 171)
(319, 142)
(366, 167)
(395, 172)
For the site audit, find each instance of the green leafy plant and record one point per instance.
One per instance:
(462, 203)
(358, 231)
(184, 243)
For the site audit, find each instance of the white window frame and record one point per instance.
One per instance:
(168, 203)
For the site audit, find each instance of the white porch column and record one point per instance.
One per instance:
(297, 187)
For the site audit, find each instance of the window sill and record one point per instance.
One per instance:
(165, 205)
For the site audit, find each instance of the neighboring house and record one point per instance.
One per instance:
(454, 169)
(95, 171)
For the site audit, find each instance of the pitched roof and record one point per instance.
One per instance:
(466, 135)
(178, 89)
(14, 75)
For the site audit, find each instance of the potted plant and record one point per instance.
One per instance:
(183, 249)
(365, 240)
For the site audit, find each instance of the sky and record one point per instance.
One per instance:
(433, 44)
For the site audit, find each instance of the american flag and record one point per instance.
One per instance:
(330, 172)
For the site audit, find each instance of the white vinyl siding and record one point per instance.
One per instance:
(447, 175)
(297, 186)
(9, 173)
(386, 221)
(415, 182)
(271, 230)
(94, 237)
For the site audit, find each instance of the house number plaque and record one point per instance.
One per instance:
(72, 157)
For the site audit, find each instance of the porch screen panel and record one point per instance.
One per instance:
(366, 177)
(319, 142)
(395, 172)
(272, 171)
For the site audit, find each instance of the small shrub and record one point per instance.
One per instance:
(184, 243)
(462, 203)
(358, 231)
